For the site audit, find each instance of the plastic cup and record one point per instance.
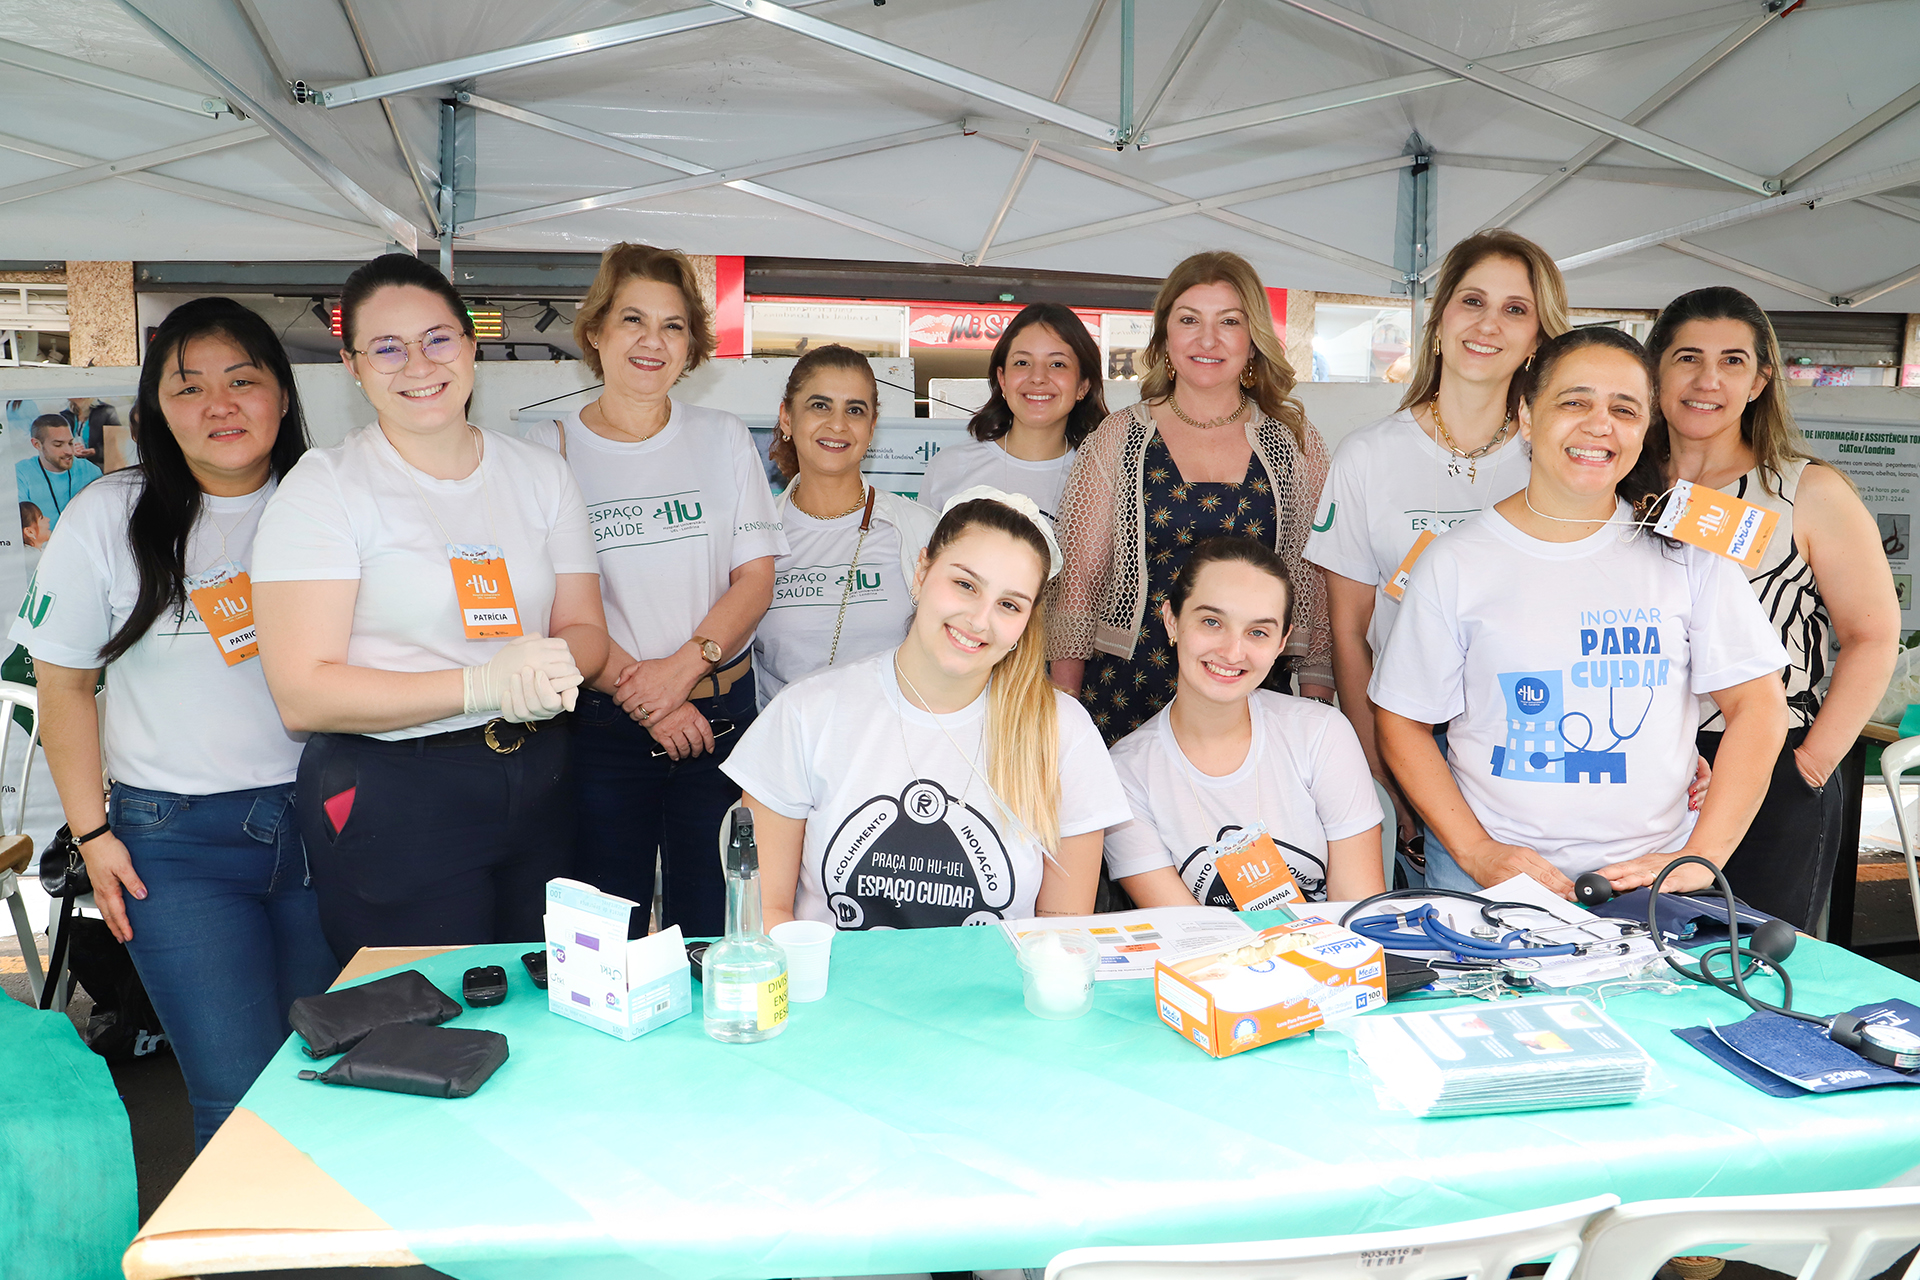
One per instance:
(809, 945)
(1056, 973)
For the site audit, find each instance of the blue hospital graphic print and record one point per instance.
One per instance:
(1533, 750)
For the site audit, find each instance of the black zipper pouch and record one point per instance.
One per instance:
(432, 1062)
(338, 1020)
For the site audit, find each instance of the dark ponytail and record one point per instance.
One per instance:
(169, 502)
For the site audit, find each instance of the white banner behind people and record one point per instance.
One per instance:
(1873, 434)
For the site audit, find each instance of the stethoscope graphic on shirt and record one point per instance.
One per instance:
(1578, 762)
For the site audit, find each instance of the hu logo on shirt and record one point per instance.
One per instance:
(1548, 743)
(34, 607)
(676, 512)
(1328, 523)
(922, 859)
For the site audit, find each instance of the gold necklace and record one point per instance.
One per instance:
(1173, 403)
(625, 434)
(1459, 454)
(858, 503)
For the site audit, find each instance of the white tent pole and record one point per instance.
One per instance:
(1176, 59)
(1394, 86)
(440, 75)
(1867, 184)
(132, 164)
(197, 191)
(427, 202)
(1642, 175)
(1520, 91)
(1892, 207)
(1705, 63)
(919, 64)
(1721, 260)
(118, 82)
(1026, 161)
(1840, 142)
(404, 233)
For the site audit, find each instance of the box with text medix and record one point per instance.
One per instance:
(1282, 982)
(596, 975)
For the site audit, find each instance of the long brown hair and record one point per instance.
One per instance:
(1549, 300)
(995, 417)
(623, 262)
(1273, 377)
(1023, 723)
(1766, 424)
(831, 356)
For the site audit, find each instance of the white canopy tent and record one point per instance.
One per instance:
(1652, 145)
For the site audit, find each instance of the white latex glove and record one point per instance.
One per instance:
(485, 684)
(529, 695)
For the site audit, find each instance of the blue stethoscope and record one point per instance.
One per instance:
(1422, 929)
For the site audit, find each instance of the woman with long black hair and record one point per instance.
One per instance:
(195, 859)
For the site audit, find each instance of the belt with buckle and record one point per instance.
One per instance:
(503, 737)
(724, 679)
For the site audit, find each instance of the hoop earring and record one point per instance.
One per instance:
(1436, 344)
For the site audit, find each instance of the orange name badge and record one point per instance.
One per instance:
(1397, 586)
(223, 597)
(1718, 522)
(485, 592)
(1256, 875)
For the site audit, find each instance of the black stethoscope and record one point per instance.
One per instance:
(1772, 942)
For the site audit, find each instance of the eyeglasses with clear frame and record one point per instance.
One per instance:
(389, 355)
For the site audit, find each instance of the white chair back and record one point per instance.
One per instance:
(1854, 1234)
(1895, 759)
(1484, 1249)
(13, 816)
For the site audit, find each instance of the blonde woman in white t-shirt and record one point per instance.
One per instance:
(841, 590)
(1044, 398)
(200, 870)
(943, 781)
(428, 603)
(1451, 450)
(1226, 753)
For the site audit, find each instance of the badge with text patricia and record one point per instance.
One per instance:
(1718, 522)
(485, 592)
(1250, 866)
(223, 597)
(1397, 585)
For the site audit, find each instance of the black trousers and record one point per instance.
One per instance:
(1784, 865)
(416, 844)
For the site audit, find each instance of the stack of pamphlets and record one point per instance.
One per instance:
(1522, 1055)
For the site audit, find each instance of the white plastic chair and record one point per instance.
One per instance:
(16, 847)
(1896, 759)
(1844, 1228)
(1483, 1249)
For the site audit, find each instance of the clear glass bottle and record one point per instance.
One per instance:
(744, 975)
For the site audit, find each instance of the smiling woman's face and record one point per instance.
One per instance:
(423, 395)
(1587, 423)
(1491, 324)
(975, 600)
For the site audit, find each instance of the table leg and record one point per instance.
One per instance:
(1846, 868)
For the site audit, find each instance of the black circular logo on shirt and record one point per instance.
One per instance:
(944, 864)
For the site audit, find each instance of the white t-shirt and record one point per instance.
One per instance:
(1566, 674)
(175, 716)
(971, 462)
(1304, 776)
(902, 832)
(810, 582)
(1389, 484)
(672, 516)
(358, 510)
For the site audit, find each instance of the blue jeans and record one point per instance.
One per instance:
(630, 804)
(228, 935)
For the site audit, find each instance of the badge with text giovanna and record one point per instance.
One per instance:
(484, 590)
(1250, 866)
(223, 597)
(1718, 522)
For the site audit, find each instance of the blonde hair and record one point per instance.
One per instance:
(1023, 722)
(623, 262)
(1273, 377)
(1549, 300)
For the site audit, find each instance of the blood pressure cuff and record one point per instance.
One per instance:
(432, 1062)
(338, 1020)
(1694, 921)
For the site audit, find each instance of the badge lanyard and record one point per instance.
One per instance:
(58, 506)
(1255, 875)
(223, 597)
(866, 522)
(481, 584)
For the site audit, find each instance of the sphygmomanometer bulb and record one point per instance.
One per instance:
(1773, 941)
(1592, 889)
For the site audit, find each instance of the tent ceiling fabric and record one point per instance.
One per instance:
(925, 129)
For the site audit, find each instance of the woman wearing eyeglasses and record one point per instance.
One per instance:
(427, 602)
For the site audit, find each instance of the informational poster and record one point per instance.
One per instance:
(897, 458)
(1123, 343)
(1883, 459)
(794, 328)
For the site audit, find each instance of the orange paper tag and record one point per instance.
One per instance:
(223, 597)
(1397, 586)
(1718, 522)
(485, 592)
(1257, 876)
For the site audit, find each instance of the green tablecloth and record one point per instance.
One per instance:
(919, 1119)
(68, 1200)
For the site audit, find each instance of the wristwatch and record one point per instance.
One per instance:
(709, 651)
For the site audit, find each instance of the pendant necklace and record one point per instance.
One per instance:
(1472, 460)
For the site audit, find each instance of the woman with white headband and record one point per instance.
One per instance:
(943, 781)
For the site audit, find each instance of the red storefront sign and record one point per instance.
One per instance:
(968, 327)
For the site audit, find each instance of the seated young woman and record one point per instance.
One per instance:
(1227, 753)
(943, 781)
(1566, 647)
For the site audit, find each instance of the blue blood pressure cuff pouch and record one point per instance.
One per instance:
(1694, 921)
(431, 1062)
(335, 1021)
